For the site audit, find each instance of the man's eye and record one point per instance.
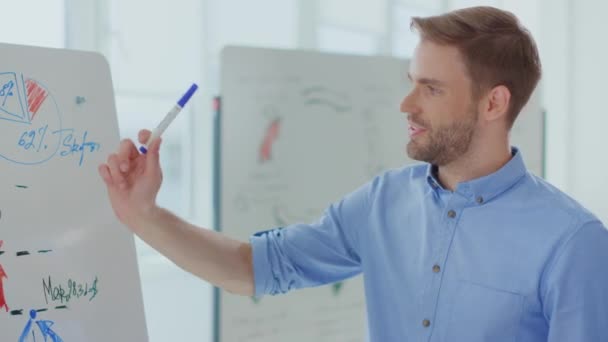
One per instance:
(433, 90)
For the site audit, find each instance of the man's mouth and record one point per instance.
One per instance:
(415, 129)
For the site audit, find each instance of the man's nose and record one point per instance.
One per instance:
(408, 104)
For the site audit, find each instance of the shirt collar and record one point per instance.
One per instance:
(487, 187)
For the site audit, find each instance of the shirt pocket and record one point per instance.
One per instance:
(481, 313)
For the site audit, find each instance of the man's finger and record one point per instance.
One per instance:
(143, 136)
(153, 163)
(104, 172)
(115, 174)
(126, 152)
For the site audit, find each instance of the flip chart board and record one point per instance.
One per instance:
(68, 269)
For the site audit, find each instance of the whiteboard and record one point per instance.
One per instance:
(63, 253)
(298, 130)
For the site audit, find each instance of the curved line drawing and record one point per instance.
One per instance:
(318, 95)
(270, 112)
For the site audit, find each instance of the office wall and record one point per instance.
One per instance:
(588, 115)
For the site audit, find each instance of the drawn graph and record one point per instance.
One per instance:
(30, 117)
(29, 113)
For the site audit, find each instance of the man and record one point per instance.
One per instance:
(468, 247)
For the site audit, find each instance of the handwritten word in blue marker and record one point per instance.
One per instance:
(158, 131)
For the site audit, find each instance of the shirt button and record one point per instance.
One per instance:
(451, 214)
(479, 200)
(436, 268)
(426, 323)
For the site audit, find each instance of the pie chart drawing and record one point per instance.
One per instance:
(29, 118)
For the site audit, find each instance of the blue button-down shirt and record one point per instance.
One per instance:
(506, 257)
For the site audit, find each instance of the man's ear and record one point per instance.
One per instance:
(496, 103)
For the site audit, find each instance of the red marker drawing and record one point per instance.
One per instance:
(35, 96)
(2, 276)
(272, 133)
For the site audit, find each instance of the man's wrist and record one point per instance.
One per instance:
(145, 217)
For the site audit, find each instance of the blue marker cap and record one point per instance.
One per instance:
(187, 95)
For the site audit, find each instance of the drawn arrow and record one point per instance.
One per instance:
(2, 277)
(272, 134)
(45, 329)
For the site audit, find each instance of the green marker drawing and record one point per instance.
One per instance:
(336, 288)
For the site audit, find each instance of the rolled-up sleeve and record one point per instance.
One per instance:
(306, 255)
(576, 296)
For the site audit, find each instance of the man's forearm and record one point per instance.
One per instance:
(222, 261)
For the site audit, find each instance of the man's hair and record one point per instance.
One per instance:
(495, 47)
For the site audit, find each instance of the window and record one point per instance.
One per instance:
(48, 15)
(403, 39)
(154, 57)
(333, 39)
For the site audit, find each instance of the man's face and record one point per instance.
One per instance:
(442, 115)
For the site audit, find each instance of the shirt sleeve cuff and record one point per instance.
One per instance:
(262, 272)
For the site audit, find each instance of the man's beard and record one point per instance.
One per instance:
(445, 144)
